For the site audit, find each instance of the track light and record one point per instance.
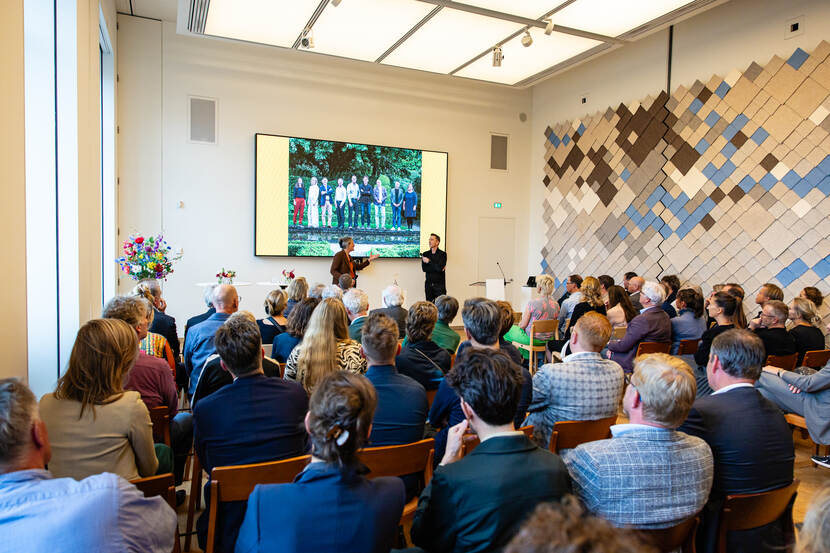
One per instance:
(548, 27)
(308, 39)
(335, 3)
(527, 40)
(497, 56)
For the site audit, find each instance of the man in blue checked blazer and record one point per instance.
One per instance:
(648, 475)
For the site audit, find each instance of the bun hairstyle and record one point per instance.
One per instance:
(340, 414)
(275, 302)
(344, 242)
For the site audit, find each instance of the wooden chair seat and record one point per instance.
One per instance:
(680, 536)
(799, 422)
(548, 326)
(164, 486)
(786, 362)
(687, 347)
(618, 332)
(747, 511)
(470, 441)
(569, 434)
(645, 348)
(816, 359)
(160, 417)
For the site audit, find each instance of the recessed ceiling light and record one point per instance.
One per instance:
(527, 40)
(335, 3)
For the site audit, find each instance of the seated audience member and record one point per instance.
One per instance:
(814, 536)
(584, 386)
(689, 324)
(671, 285)
(506, 324)
(648, 475)
(39, 512)
(163, 323)
(721, 308)
(475, 503)
(591, 301)
(151, 377)
(807, 395)
(297, 291)
(482, 323)
(768, 292)
(605, 284)
(620, 310)
(345, 282)
(357, 308)
(421, 358)
(332, 291)
(316, 291)
(295, 328)
(572, 286)
(806, 330)
(393, 298)
(750, 440)
(94, 424)
(207, 296)
(543, 308)
(331, 505)
(566, 528)
(627, 279)
(737, 291)
(199, 345)
(651, 325)
(253, 420)
(822, 308)
(442, 334)
(326, 347)
(275, 322)
(770, 327)
(635, 289)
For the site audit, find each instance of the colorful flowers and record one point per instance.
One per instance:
(146, 258)
(226, 277)
(288, 274)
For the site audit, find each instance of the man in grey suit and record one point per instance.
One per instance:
(651, 325)
(648, 475)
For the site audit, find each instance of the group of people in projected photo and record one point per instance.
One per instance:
(356, 205)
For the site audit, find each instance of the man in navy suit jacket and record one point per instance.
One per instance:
(651, 325)
(253, 420)
(749, 437)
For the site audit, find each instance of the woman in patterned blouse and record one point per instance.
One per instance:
(542, 308)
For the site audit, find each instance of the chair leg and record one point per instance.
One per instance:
(195, 500)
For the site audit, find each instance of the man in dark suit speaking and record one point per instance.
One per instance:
(433, 263)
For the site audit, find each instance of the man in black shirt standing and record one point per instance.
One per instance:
(433, 263)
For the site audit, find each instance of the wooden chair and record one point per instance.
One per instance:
(747, 511)
(267, 349)
(470, 441)
(816, 359)
(799, 422)
(644, 348)
(569, 434)
(537, 327)
(400, 460)
(164, 486)
(236, 484)
(786, 362)
(282, 370)
(195, 500)
(680, 536)
(687, 347)
(160, 417)
(452, 360)
(431, 396)
(618, 332)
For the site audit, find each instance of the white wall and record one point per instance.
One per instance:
(263, 89)
(727, 37)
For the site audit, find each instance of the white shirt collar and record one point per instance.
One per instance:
(620, 429)
(502, 434)
(733, 386)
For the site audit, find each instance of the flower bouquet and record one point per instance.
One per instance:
(287, 276)
(147, 257)
(226, 277)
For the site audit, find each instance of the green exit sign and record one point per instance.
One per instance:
(497, 205)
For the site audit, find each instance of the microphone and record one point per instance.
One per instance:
(504, 278)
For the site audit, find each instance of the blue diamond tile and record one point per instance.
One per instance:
(554, 140)
(708, 205)
(581, 129)
(791, 179)
(623, 232)
(544, 267)
(728, 168)
(712, 118)
(625, 174)
(566, 139)
(740, 121)
(824, 165)
(822, 268)
(655, 197)
(768, 181)
(665, 232)
(728, 150)
(709, 171)
(802, 188)
(722, 89)
(824, 186)
(798, 267)
(798, 58)
(695, 106)
(730, 131)
(760, 135)
(785, 277)
(814, 176)
(746, 184)
(702, 146)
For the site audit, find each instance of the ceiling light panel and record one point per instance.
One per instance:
(263, 21)
(520, 62)
(365, 29)
(448, 40)
(534, 9)
(613, 17)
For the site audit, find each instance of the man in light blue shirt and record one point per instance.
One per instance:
(38, 512)
(572, 286)
(199, 344)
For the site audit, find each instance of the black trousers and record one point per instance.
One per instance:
(434, 289)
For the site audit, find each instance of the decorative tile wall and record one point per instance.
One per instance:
(728, 180)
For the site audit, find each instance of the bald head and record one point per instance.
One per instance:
(636, 284)
(225, 299)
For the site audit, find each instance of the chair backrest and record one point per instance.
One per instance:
(569, 434)
(452, 360)
(160, 417)
(470, 441)
(267, 349)
(547, 326)
(687, 347)
(786, 362)
(816, 359)
(746, 511)
(237, 482)
(398, 460)
(680, 536)
(431, 396)
(618, 332)
(653, 347)
(282, 370)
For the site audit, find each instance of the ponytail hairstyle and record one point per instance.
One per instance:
(693, 301)
(340, 414)
(737, 292)
(729, 303)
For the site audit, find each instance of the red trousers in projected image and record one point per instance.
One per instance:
(299, 208)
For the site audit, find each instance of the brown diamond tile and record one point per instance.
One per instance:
(717, 195)
(739, 139)
(769, 162)
(736, 194)
(707, 222)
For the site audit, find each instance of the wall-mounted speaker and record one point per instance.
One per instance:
(498, 152)
(202, 118)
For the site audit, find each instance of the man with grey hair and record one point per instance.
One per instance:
(207, 295)
(38, 512)
(393, 299)
(635, 287)
(199, 345)
(648, 475)
(651, 325)
(332, 291)
(163, 323)
(751, 441)
(357, 308)
(316, 290)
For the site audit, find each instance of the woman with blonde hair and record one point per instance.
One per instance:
(297, 291)
(274, 324)
(94, 425)
(815, 534)
(806, 329)
(543, 308)
(591, 301)
(326, 347)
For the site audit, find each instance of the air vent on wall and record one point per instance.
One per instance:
(498, 152)
(198, 16)
(202, 120)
